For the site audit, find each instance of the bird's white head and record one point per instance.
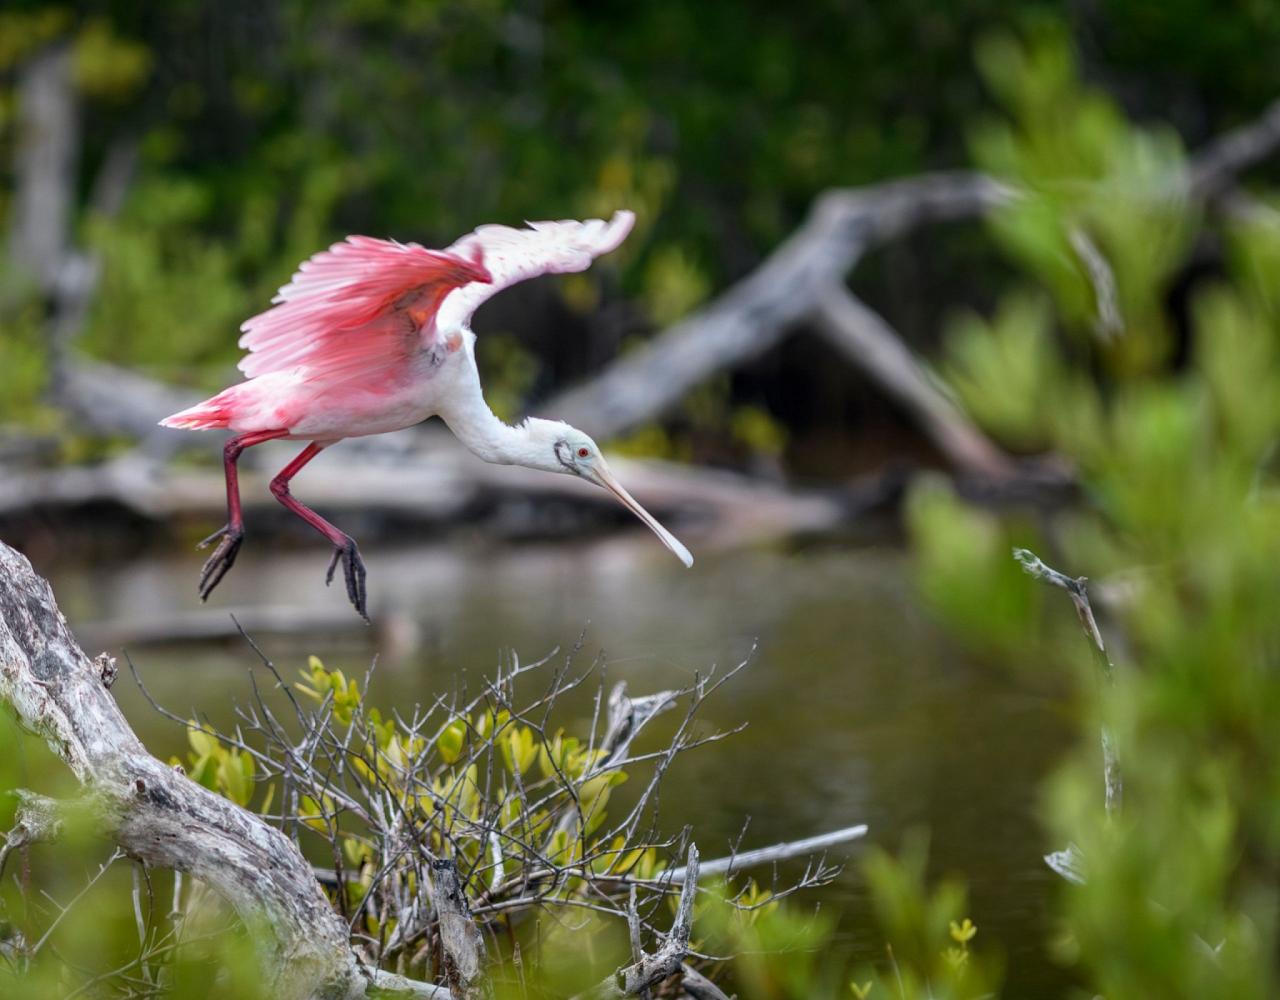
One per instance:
(554, 446)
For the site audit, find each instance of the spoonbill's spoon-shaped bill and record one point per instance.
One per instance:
(603, 476)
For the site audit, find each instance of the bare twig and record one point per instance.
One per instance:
(699, 986)
(1216, 167)
(1078, 592)
(1108, 323)
(770, 855)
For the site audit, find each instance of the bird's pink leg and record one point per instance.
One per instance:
(344, 545)
(231, 533)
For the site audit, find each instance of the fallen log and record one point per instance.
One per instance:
(433, 484)
(866, 340)
(755, 314)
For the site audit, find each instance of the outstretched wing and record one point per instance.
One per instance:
(514, 255)
(359, 306)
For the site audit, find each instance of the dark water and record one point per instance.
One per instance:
(860, 709)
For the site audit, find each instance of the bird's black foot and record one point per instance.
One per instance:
(223, 558)
(353, 572)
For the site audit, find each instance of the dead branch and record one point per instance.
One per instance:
(215, 624)
(432, 483)
(107, 398)
(865, 339)
(627, 716)
(651, 970)
(1215, 169)
(1077, 589)
(788, 287)
(753, 315)
(698, 986)
(1078, 592)
(772, 854)
(460, 938)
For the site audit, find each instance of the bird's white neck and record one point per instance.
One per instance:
(491, 439)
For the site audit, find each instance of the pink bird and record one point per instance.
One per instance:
(372, 336)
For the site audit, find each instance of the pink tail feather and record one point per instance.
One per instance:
(210, 414)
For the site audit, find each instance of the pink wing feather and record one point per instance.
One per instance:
(514, 255)
(357, 311)
(356, 306)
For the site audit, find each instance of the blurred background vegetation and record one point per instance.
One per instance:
(263, 131)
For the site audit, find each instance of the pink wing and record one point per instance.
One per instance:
(514, 255)
(359, 307)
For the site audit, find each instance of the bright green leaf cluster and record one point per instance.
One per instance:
(223, 769)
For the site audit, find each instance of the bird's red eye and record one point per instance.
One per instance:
(583, 452)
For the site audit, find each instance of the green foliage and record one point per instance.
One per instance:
(781, 951)
(23, 370)
(1005, 370)
(1177, 464)
(23, 32)
(927, 935)
(106, 66)
(225, 770)
(1083, 173)
(962, 571)
(510, 372)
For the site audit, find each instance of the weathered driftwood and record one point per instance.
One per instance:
(755, 314)
(460, 939)
(434, 482)
(698, 986)
(806, 847)
(155, 813)
(115, 400)
(863, 336)
(211, 624)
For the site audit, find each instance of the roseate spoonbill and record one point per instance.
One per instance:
(372, 336)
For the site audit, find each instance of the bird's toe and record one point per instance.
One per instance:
(353, 575)
(222, 559)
